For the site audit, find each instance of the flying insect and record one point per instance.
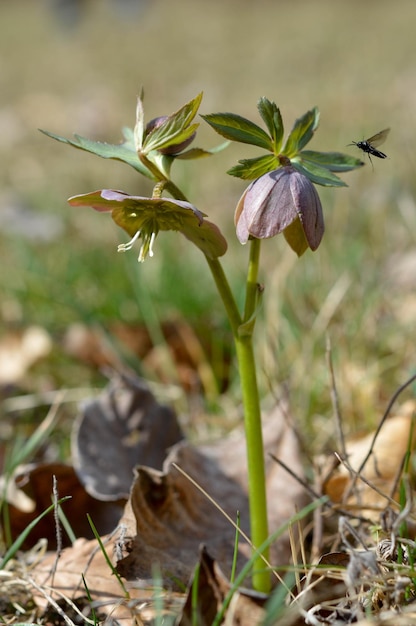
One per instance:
(369, 146)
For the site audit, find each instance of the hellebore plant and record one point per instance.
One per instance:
(281, 199)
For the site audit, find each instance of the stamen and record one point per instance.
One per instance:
(123, 247)
(152, 239)
(147, 247)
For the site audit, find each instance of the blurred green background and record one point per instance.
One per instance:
(78, 68)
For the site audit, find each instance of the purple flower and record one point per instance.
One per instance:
(281, 201)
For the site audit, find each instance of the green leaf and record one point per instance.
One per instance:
(272, 118)
(124, 152)
(237, 128)
(193, 153)
(317, 174)
(247, 169)
(333, 161)
(301, 133)
(198, 153)
(175, 129)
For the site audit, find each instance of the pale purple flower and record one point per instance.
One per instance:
(281, 201)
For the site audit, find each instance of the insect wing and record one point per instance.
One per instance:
(377, 140)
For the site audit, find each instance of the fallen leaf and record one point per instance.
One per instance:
(33, 495)
(167, 517)
(86, 559)
(201, 606)
(121, 428)
(324, 587)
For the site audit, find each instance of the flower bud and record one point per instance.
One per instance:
(174, 148)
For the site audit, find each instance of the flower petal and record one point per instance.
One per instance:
(309, 208)
(137, 213)
(268, 205)
(295, 237)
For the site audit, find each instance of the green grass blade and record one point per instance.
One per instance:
(10, 553)
(107, 558)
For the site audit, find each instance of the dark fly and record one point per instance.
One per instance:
(369, 146)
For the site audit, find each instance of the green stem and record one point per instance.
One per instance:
(226, 294)
(161, 178)
(251, 403)
(253, 426)
(252, 286)
(243, 331)
(255, 458)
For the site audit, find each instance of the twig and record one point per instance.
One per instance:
(58, 531)
(328, 504)
(356, 475)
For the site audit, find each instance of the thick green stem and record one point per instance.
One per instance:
(255, 458)
(251, 402)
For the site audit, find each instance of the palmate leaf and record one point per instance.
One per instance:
(198, 153)
(248, 169)
(237, 128)
(124, 152)
(333, 161)
(301, 133)
(273, 119)
(317, 174)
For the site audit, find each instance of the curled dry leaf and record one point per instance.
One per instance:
(33, 495)
(121, 428)
(167, 518)
(324, 584)
(246, 607)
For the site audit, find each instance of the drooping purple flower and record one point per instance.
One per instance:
(281, 201)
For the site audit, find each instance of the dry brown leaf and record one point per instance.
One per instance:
(121, 428)
(246, 607)
(382, 468)
(35, 482)
(325, 583)
(86, 558)
(167, 518)
(212, 587)
(167, 513)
